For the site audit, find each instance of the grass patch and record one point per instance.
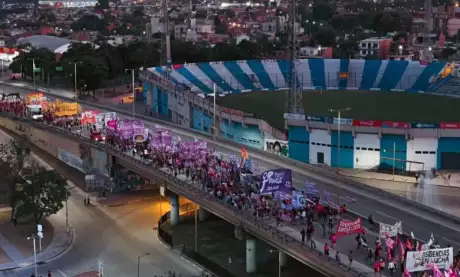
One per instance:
(365, 105)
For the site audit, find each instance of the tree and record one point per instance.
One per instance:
(14, 158)
(89, 22)
(326, 37)
(323, 11)
(44, 59)
(42, 192)
(103, 4)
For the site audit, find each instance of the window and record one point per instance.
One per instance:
(364, 148)
(418, 152)
(376, 149)
(432, 152)
(358, 148)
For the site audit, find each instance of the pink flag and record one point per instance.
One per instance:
(389, 242)
(406, 273)
(436, 271)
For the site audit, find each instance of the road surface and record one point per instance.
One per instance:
(385, 210)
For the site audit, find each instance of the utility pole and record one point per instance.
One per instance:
(294, 102)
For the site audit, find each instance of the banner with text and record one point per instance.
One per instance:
(65, 109)
(390, 230)
(72, 161)
(276, 180)
(449, 125)
(396, 124)
(420, 260)
(367, 123)
(346, 227)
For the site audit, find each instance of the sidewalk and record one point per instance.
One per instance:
(59, 244)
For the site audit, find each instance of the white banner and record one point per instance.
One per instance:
(419, 260)
(279, 147)
(391, 230)
(71, 160)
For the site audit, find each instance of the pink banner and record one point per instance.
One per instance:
(346, 227)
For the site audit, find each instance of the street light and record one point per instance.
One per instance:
(35, 253)
(339, 121)
(139, 262)
(134, 92)
(75, 77)
(214, 111)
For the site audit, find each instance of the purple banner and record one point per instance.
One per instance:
(166, 138)
(125, 128)
(276, 180)
(138, 126)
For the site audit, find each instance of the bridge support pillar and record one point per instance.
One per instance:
(202, 214)
(239, 233)
(174, 209)
(282, 258)
(251, 261)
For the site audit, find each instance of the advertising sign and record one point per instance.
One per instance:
(396, 124)
(292, 116)
(279, 147)
(317, 118)
(367, 123)
(449, 125)
(277, 180)
(390, 230)
(139, 137)
(424, 125)
(343, 121)
(420, 260)
(88, 117)
(66, 109)
(346, 227)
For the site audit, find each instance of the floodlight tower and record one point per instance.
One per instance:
(166, 39)
(294, 103)
(427, 29)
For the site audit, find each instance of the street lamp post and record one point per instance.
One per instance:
(35, 253)
(133, 91)
(67, 212)
(339, 121)
(394, 159)
(33, 73)
(139, 262)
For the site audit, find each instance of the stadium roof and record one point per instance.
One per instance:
(49, 42)
(55, 44)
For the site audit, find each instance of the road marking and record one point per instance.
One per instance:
(62, 273)
(389, 216)
(451, 241)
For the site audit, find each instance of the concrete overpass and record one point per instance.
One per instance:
(385, 206)
(244, 220)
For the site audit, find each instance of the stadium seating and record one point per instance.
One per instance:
(449, 86)
(256, 75)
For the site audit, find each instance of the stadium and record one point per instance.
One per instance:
(398, 113)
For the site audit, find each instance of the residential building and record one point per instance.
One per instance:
(375, 46)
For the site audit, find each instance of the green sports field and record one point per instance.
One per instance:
(365, 105)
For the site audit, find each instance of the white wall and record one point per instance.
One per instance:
(320, 141)
(422, 150)
(367, 151)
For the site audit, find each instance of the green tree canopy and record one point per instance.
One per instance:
(42, 192)
(89, 22)
(14, 158)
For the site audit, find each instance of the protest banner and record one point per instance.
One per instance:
(420, 260)
(390, 230)
(276, 180)
(346, 227)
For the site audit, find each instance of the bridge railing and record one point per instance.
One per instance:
(383, 195)
(245, 219)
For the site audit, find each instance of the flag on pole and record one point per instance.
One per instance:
(412, 235)
(244, 157)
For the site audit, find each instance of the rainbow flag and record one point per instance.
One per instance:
(244, 157)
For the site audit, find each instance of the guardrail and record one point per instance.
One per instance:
(288, 162)
(251, 224)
